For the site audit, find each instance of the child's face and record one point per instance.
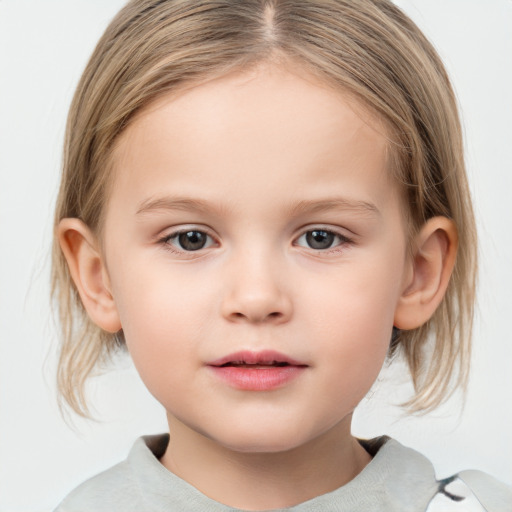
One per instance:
(295, 245)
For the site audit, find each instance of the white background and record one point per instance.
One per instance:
(44, 46)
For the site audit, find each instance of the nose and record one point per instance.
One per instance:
(256, 291)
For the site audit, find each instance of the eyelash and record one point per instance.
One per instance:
(166, 241)
(343, 240)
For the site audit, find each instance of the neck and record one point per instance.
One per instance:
(283, 479)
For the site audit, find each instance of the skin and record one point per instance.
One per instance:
(257, 160)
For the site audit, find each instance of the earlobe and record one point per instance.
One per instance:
(89, 273)
(432, 264)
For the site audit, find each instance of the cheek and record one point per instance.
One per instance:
(355, 321)
(163, 317)
(360, 299)
(355, 350)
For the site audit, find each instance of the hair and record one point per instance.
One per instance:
(367, 48)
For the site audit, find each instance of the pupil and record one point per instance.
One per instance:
(192, 240)
(318, 239)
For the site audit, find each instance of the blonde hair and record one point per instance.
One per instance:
(368, 48)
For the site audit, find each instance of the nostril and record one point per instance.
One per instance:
(255, 317)
(256, 306)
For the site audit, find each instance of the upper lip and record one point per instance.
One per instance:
(263, 358)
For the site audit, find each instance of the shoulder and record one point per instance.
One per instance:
(494, 495)
(471, 491)
(110, 490)
(409, 478)
(119, 488)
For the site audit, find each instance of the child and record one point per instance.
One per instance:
(262, 201)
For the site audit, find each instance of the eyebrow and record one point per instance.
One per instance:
(173, 203)
(301, 208)
(335, 203)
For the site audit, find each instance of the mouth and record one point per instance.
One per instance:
(263, 364)
(257, 371)
(263, 359)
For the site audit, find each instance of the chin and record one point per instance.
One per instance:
(262, 446)
(264, 439)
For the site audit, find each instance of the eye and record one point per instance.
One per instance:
(321, 239)
(190, 240)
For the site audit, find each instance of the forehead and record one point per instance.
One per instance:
(252, 130)
(299, 94)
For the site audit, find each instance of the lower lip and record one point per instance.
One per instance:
(258, 379)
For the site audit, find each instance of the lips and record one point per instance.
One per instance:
(262, 358)
(257, 371)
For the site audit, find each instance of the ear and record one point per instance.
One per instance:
(431, 267)
(89, 273)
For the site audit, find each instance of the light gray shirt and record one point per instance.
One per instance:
(398, 479)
